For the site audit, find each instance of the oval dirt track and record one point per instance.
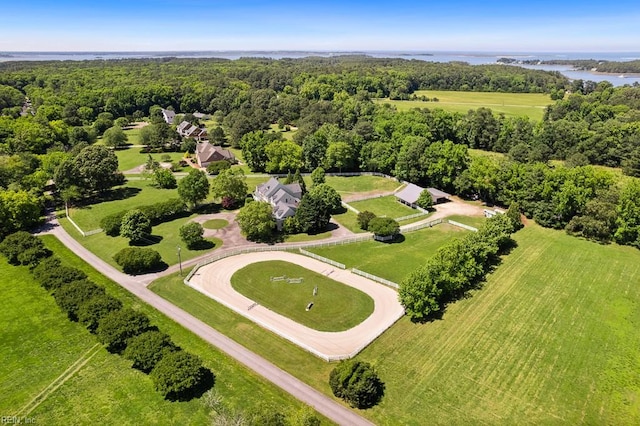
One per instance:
(214, 280)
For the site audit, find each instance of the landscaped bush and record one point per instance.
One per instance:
(147, 349)
(364, 218)
(136, 260)
(111, 224)
(216, 167)
(191, 233)
(425, 200)
(357, 383)
(163, 178)
(178, 375)
(70, 296)
(91, 311)
(164, 211)
(15, 245)
(136, 226)
(117, 327)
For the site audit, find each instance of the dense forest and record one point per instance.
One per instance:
(339, 128)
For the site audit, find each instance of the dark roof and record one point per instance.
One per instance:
(437, 194)
(207, 153)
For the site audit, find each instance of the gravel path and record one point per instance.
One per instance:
(214, 280)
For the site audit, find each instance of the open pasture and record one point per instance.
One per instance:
(531, 105)
(392, 261)
(54, 372)
(387, 206)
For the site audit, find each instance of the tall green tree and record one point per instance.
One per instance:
(256, 221)
(97, 166)
(135, 226)
(230, 184)
(194, 187)
(283, 156)
(115, 137)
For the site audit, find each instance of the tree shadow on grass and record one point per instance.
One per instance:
(148, 241)
(202, 245)
(207, 381)
(121, 193)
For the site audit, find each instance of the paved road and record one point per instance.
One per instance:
(322, 403)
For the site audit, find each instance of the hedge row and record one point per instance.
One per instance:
(176, 374)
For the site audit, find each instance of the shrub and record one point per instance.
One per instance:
(292, 226)
(117, 327)
(18, 242)
(357, 383)
(136, 260)
(163, 178)
(32, 256)
(111, 224)
(179, 374)
(164, 210)
(364, 218)
(70, 296)
(91, 311)
(191, 233)
(147, 349)
(216, 167)
(136, 226)
(52, 278)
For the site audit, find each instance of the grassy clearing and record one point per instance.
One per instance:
(297, 238)
(215, 224)
(165, 239)
(133, 136)
(490, 154)
(39, 344)
(336, 307)
(131, 158)
(531, 105)
(346, 185)
(392, 261)
(475, 221)
(387, 206)
(287, 135)
(127, 197)
(551, 339)
(349, 220)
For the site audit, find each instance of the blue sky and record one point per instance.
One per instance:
(142, 25)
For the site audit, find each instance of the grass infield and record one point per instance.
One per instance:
(387, 206)
(215, 224)
(336, 307)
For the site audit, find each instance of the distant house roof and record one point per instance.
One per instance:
(168, 115)
(410, 193)
(207, 153)
(188, 130)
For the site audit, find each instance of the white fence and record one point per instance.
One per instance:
(347, 206)
(462, 225)
(417, 226)
(323, 259)
(84, 234)
(375, 278)
(411, 216)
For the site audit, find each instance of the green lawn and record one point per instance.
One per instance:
(336, 307)
(215, 224)
(288, 135)
(551, 338)
(531, 105)
(133, 136)
(127, 197)
(392, 261)
(475, 221)
(387, 206)
(130, 158)
(39, 344)
(165, 239)
(347, 185)
(349, 220)
(297, 238)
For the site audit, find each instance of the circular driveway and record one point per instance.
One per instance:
(214, 280)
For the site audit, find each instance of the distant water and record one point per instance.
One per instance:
(473, 58)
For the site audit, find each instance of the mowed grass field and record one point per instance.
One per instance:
(531, 105)
(551, 338)
(387, 206)
(131, 158)
(392, 261)
(54, 372)
(336, 307)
